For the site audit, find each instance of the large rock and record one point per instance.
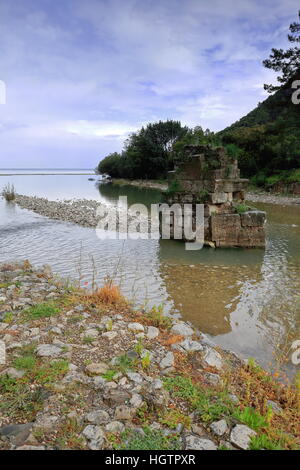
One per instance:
(136, 327)
(98, 417)
(219, 427)
(152, 332)
(198, 443)
(181, 328)
(167, 361)
(191, 346)
(213, 359)
(97, 368)
(48, 350)
(241, 436)
(16, 433)
(2, 353)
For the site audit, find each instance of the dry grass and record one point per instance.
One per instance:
(8, 192)
(109, 294)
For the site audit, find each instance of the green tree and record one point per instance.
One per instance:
(286, 62)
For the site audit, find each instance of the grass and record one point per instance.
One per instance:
(109, 294)
(26, 362)
(18, 399)
(68, 436)
(209, 404)
(8, 192)
(241, 208)
(171, 418)
(43, 310)
(150, 440)
(252, 418)
(264, 442)
(157, 318)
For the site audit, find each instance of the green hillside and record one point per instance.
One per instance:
(267, 140)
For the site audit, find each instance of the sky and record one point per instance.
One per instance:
(80, 76)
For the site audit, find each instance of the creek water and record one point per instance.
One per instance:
(248, 301)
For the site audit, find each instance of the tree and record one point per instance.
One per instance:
(287, 62)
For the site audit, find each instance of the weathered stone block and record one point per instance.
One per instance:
(225, 229)
(253, 219)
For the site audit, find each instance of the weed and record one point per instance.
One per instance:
(146, 361)
(26, 362)
(51, 372)
(8, 192)
(172, 418)
(88, 340)
(124, 363)
(109, 375)
(264, 442)
(19, 400)
(158, 318)
(252, 418)
(139, 348)
(151, 439)
(210, 404)
(44, 310)
(69, 436)
(8, 317)
(109, 294)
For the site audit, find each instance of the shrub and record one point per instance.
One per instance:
(8, 192)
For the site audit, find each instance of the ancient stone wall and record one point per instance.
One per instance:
(209, 176)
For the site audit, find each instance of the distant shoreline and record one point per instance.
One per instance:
(45, 174)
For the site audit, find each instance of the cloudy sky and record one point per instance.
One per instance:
(81, 75)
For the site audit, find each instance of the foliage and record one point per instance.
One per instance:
(286, 62)
(147, 153)
(18, 399)
(44, 310)
(262, 441)
(173, 187)
(9, 192)
(252, 418)
(151, 439)
(157, 317)
(209, 404)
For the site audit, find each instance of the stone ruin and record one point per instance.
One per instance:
(210, 177)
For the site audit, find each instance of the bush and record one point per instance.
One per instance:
(8, 192)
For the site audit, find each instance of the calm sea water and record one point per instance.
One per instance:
(247, 300)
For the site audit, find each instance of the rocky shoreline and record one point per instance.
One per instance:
(84, 370)
(83, 212)
(252, 196)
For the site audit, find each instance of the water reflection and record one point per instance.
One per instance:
(245, 299)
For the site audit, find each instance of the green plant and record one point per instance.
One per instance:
(8, 317)
(8, 192)
(26, 362)
(44, 310)
(139, 347)
(151, 439)
(124, 363)
(157, 317)
(19, 400)
(51, 372)
(209, 404)
(88, 339)
(264, 442)
(146, 361)
(109, 375)
(241, 208)
(172, 418)
(203, 196)
(252, 418)
(174, 187)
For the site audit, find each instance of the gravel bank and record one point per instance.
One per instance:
(87, 371)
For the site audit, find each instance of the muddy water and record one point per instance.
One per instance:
(247, 300)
